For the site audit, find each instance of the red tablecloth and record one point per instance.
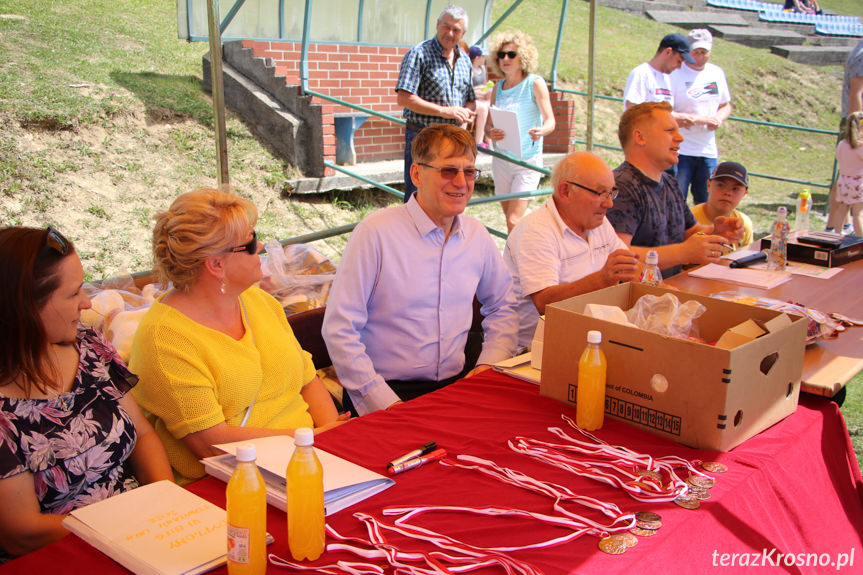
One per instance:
(795, 488)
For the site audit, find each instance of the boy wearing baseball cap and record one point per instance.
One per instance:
(726, 187)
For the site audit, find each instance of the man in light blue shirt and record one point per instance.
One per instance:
(401, 305)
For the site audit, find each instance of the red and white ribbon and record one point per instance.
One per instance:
(617, 466)
(559, 493)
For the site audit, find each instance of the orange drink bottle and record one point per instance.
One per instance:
(247, 516)
(305, 485)
(590, 397)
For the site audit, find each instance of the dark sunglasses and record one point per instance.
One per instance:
(54, 242)
(511, 55)
(449, 173)
(251, 247)
(610, 195)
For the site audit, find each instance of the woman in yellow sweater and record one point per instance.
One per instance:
(216, 357)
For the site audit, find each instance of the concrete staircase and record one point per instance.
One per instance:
(796, 42)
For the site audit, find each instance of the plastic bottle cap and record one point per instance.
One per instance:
(594, 336)
(246, 452)
(652, 258)
(304, 436)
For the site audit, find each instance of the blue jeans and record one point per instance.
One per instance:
(695, 170)
(410, 188)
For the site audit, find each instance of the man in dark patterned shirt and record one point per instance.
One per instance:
(650, 211)
(434, 84)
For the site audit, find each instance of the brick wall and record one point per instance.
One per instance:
(560, 140)
(364, 75)
(367, 75)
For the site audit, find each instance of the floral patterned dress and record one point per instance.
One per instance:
(75, 445)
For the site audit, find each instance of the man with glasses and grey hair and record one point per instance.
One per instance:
(401, 306)
(567, 247)
(434, 84)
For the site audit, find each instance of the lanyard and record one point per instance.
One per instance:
(560, 494)
(639, 475)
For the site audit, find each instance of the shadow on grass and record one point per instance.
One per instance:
(168, 98)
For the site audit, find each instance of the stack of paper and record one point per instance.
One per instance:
(345, 483)
(519, 367)
(746, 276)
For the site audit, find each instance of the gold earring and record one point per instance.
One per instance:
(222, 286)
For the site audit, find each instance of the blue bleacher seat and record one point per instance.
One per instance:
(839, 28)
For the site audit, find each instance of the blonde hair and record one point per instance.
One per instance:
(852, 130)
(198, 225)
(523, 46)
(633, 118)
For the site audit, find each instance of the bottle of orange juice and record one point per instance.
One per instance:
(247, 516)
(305, 485)
(590, 398)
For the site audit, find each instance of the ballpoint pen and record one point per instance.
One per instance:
(427, 448)
(415, 462)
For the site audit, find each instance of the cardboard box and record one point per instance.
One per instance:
(536, 344)
(850, 250)
(691, 392)
(751, 329)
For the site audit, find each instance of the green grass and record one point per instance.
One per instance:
(852, 410)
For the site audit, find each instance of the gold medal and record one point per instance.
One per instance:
(641, 532)
(613, 544)
(699, 492)
(628, 538)
(700, 481)
(688, 501)
(714, 466)
(651, 474)
(648, 520)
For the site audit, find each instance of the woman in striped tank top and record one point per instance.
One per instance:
(514, 56)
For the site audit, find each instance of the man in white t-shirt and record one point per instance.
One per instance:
(567, 247)
(650, 81)
(701, 91)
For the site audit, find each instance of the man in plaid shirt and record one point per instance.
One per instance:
(434, 84)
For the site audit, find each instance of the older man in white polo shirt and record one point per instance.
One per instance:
(567, 247)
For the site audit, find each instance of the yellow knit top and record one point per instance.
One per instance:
(193, 377)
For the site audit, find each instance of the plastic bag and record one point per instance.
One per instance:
(298, 276)
(117, 308)
(666, 316)
(820, 324)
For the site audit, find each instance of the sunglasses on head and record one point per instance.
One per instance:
(54, 242)
(251, 247)
(511, 55)
(449, 173)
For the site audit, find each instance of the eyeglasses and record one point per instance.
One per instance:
(54, 241)
(251, 247)
(511, 55)
(449, 173)
(609, 195)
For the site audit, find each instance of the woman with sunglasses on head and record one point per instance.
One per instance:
(217, 359)
(70, 433)
(515, 57)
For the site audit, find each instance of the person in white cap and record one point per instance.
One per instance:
(701, 91)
